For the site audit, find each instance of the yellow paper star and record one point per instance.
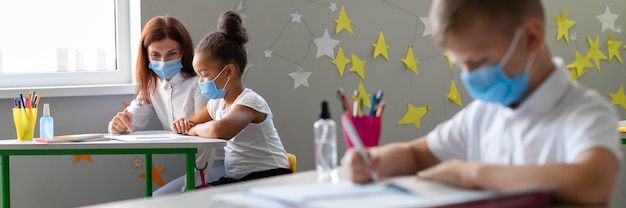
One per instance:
(363, 95)
(156, 175)
(579, 65)
(564, 25)
(454, 95)
(618, 98)
(381, 47)
(613, 47)
(340, 61)
(358, 66)
(409, 61)
(343, 22)
(450, 59)
(576, 73)
(77, 158)
(413, 115)
(594, 51)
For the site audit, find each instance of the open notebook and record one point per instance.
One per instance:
(404, 191)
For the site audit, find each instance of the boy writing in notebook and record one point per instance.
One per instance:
(529, 124)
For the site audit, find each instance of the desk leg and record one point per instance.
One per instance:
(148, 165)
(6, 197)
(191, 164)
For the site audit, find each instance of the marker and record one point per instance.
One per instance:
(381, 108)
(15, 103)
(355, 107)
(22, 99)
(372, 105)
(344, 101)
(38, 98)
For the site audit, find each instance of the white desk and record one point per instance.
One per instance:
(187, 145)
(202, 197)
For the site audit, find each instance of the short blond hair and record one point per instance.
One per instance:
(451, 17)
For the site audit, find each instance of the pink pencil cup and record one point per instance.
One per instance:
(368, 128)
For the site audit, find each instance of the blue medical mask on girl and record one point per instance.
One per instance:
(491, 84)
(166, 69)
(210, 90)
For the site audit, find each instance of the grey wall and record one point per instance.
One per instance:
(269, 24)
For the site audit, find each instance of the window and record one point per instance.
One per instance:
(47, 43)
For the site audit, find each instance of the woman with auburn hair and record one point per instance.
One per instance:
(167, 86)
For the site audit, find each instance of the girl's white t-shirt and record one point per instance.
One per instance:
(257, 147)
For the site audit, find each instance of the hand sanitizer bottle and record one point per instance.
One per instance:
(325, 132)
(46, 123)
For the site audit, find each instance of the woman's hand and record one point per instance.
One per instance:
(182, 126)
(122, 122)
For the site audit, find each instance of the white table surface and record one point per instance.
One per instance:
(202, 197)
(186, 142)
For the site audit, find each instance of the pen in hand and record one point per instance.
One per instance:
(356, 142)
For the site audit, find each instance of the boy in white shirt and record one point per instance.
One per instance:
(530, 125)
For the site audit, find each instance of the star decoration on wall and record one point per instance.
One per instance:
(137, 163)
(156, 175)
(343, 22)
(239, 10)
(426, 22)
(594, 51)
(608, 20)
(454, 95)
(381, 47)
(613, 46)
(326, 45)
(619, 29)
(574, 36)
(618, 98)
(296, 17)
(78, 158)
(362, 95)
(268, 53)
(449, 58)
(340, 61)
(413, 115)
(579, 65)
(410, 62)
(300, 78)
(358, 66)
(564, 25)
(333, 6)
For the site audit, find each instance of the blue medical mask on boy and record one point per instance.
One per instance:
(491, 84)
(210, 90)
(166, 69)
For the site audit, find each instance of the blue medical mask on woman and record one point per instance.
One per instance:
(491, 84)
(166, 69)
(210, 90)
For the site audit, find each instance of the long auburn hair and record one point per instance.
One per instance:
(157, 29)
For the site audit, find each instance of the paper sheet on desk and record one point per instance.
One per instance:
(412, 193)
(151, 137)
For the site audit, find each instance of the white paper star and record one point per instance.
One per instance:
(608, 20)
(326, 45)
(300, 78)
(296, 17)
(573, 36)
(239, 10)
(425, 21)
(619, 29)
(333, 6)
(268, 53)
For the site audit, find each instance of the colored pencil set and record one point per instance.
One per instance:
(377, 105)
(30, 101)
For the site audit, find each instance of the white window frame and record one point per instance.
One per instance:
(89, 83)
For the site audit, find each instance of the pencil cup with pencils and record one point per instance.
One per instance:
(25, 115)
(362, 123)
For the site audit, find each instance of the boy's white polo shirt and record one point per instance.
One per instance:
(556, 123)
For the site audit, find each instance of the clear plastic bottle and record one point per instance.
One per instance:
(46, 123)
(325, 132)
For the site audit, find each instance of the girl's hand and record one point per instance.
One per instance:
(182, 126)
